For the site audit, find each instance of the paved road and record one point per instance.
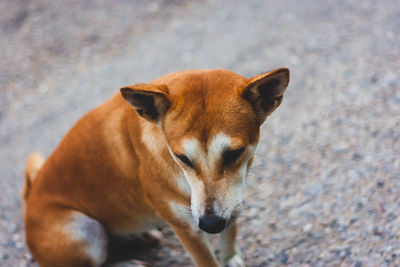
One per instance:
(325, 187)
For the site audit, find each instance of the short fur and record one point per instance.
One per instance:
(119, 170)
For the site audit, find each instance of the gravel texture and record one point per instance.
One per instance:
(325, 186)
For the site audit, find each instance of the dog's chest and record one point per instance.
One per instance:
(139, 226)
(146, 224)
(183, 213)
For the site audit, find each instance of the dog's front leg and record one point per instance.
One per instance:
(228, 254)
(196, 246)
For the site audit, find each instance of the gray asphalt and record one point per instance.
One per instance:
(325, 187)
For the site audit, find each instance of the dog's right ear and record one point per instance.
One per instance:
(149, 100)
(265, 91)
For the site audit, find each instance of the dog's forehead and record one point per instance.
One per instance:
(212, 128)
(206, 105)
(220, 142)
(192, 143)
(178, 82)
(211, 131)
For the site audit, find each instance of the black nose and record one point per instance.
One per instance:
(212, 224)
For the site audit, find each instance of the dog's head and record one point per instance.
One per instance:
(211, 120)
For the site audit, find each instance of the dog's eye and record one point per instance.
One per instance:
(185, 160)
(230, 156)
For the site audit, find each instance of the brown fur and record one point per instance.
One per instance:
(103, 170)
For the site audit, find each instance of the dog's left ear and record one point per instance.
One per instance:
(149, 100)
(265, 91)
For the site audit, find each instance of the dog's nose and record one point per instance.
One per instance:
(212, 224)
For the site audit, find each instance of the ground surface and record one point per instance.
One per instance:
(325, 187)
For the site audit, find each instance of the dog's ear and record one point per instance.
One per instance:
(149, 100)
(265, 91)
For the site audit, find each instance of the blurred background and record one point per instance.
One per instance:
(325, 186)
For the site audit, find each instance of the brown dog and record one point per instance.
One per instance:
(175, 150)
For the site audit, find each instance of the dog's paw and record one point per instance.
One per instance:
(152, 238)
(235, 261)
(156, 235)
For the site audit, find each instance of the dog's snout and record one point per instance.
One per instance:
(209, 210)
(212, 224)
